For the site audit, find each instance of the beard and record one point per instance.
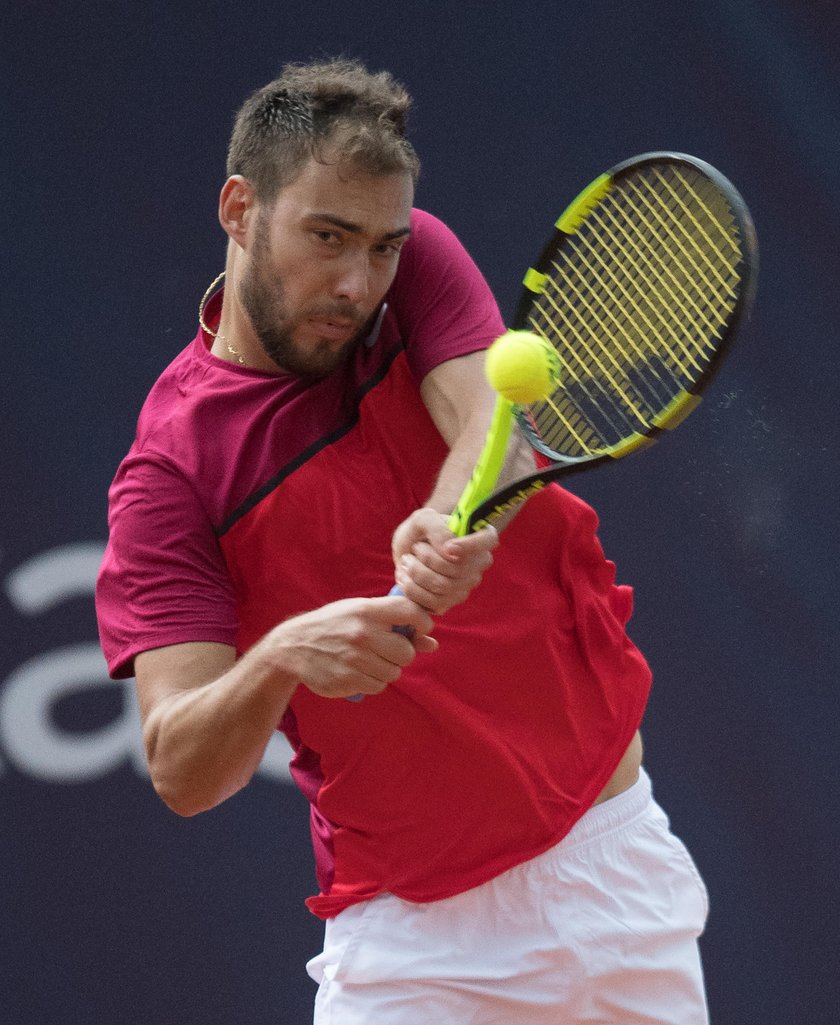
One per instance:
(262, 298)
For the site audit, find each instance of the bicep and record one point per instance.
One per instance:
(458, 397)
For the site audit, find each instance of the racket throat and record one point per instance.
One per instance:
(487, 468)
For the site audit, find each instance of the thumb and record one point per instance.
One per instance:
(484, 540)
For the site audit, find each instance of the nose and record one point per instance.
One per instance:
(353, 280)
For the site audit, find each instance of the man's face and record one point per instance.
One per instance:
(321, 259)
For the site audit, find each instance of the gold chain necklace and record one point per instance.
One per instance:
(215, 334)
(234, 352)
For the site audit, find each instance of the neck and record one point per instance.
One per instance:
(226, 344)
(230, 351)
(234, 339)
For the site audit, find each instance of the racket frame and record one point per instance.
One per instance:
(477, 514)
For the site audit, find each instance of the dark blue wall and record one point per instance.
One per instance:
(115, 122)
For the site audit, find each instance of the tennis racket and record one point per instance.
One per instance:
(638, 292)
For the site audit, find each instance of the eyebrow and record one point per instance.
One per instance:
(357, 229)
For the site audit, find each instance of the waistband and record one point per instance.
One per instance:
(615, 813)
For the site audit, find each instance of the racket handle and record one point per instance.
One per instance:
(406, 631)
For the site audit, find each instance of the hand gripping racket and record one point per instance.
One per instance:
(635, 297)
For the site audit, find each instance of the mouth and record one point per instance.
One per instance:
(334, 329)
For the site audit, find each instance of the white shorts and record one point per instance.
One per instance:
(601, 928)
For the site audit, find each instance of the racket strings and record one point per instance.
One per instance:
(685, 246)
(584, 373)
(684, 253)
(708, 227)
(594, 311)
(661, 309)
(669, 270)
(635, 303)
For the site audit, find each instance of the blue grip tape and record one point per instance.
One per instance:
(406, 631)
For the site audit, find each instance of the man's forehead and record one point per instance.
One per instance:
(350, 197)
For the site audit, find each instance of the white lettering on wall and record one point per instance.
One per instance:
(30, 737)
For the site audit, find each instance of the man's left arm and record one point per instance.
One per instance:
(434, 568)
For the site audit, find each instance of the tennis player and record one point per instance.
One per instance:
(486, 844)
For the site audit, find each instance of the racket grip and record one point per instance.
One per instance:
(405, 630)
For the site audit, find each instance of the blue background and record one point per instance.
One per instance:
(115, 122)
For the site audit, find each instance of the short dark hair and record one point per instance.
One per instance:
(360, 115)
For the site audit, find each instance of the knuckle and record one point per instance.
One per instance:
(355, 634)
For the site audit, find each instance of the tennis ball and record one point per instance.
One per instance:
(521, 366)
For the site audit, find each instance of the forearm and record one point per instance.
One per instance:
(205, 743)
(458, 466)
(460, 463)
(462, 405)
(207, 718)
(433, 568)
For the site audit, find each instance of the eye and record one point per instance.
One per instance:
(327, 236)
(387, 248)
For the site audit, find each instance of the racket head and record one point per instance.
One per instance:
(640, 290)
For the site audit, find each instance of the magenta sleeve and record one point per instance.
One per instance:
(443, 305)
(163, 579)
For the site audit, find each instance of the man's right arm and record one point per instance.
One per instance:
(207, 717)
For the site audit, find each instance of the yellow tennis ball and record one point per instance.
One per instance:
(521, 366)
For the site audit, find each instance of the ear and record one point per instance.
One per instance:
(236, 204)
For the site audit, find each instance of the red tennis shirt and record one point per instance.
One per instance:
(247, 498)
